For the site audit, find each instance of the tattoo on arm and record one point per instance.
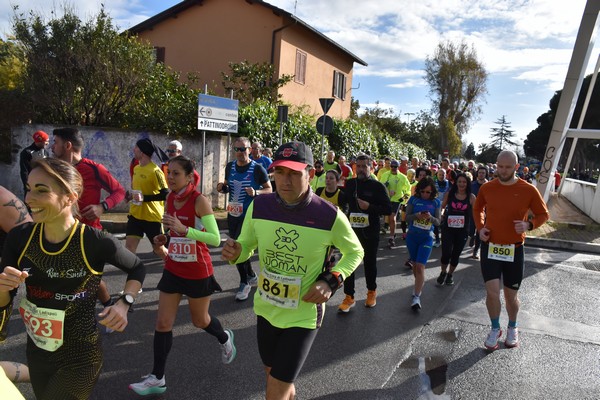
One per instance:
(20, 208)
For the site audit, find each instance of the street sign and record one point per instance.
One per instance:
(326, 104)
(325, 124)
(217, 113)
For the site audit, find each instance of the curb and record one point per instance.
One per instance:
(560, 244)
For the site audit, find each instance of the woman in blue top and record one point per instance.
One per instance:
(422, 213)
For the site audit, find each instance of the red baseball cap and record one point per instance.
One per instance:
(40, 137)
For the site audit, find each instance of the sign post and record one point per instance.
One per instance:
(326, 122)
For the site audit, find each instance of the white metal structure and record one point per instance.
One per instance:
(584, 45)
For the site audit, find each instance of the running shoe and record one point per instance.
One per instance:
(437, 243)
(371, 299)
(409, 264)
(512, 337)
(391, 242)
(228, 348)
(150, 385)
(404, 236)
(442, 278)
(491, 343)
(416, 302)
(139, 291)
(252, 280)
(243, 292)
(449, 280)
(475, 256)
(347, 304)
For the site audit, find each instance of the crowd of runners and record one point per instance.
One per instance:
(313, 222)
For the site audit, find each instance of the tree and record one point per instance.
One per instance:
(251, 82)
(79, 72)
(487, 153)
(502, 135)
(469, 153)
(457, 85)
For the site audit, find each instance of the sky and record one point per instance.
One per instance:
(524, 45)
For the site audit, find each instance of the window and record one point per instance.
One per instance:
(159, 54)
(339, 85)
(300, 73)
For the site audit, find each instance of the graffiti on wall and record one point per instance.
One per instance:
(546, 170)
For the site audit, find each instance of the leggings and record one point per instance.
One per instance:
(453, 243)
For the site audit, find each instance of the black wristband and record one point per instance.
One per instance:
(334, 281)
(104, 205)
(530, 225)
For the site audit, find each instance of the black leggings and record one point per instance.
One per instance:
(55, 377)
(453, 243)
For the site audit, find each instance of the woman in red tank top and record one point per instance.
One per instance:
(191, 225)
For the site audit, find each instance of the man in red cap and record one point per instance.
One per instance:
(35, 150)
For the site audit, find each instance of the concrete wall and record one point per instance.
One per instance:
(114, 149)
(584, 195)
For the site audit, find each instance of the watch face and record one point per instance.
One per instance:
(128, 299)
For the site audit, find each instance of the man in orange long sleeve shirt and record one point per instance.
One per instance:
(501, 215)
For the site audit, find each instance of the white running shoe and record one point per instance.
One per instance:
(512, 337)
(253, 280)
(491, 343)
(243, 292)
(228, 348)
(149, 385)
(416, 302)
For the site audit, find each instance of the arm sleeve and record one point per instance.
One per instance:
(436, 219)
(120, 257)
(410, 216)
(112, 186)
(348, 244)
(161, 196)
(383, 206)
(211, 236)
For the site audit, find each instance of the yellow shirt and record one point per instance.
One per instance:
(149, 179)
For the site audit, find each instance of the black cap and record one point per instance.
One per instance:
(293, 155)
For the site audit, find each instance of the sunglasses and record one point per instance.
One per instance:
(394, 166)
(239, 148)
(170, 151)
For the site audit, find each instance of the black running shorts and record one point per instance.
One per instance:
(283, 350)
(511, 272)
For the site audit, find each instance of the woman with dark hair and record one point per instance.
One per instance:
(332, 192)
(191, 225)
(422, 214)
(61, 262)
(457, 218)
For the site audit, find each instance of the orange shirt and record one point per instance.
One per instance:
(498, 206)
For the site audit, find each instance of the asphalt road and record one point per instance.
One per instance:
(388, 352)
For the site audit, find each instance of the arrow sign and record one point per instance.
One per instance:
(326, 104)
(325, 124)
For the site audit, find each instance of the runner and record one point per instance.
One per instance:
(398, 188)
(332, 192)
(244, 181)
(61, 262)
(293, 230)
(475, 241)
(367, 201)
(188, 271)
(501, 215)
(457, 217)
(422, 214)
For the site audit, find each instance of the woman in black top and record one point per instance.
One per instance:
(61, 262)
(457, 215)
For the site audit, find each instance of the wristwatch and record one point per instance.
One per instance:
(104, 205)
(127, 299)
(530, 225)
